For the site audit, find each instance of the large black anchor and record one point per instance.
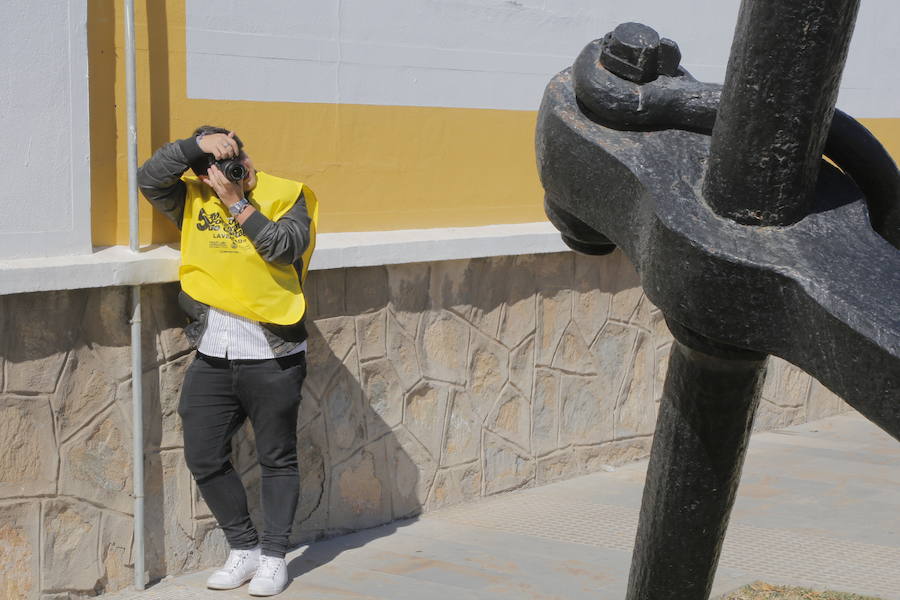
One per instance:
(749, 242)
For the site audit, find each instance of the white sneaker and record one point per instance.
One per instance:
(238, 569)
(271, 577)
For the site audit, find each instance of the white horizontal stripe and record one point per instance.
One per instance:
(474, 54)
(117, 265)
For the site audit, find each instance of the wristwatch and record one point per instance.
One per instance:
(238, 207)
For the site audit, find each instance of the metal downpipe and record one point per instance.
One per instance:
(137, 400)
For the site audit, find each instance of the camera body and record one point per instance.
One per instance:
(233, 168)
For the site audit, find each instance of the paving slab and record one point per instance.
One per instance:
(818, 505)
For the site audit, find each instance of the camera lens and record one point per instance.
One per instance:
(237, 172)
(233, 169)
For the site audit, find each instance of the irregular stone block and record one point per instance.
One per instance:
(401, 349)
(774, 366)
(773, 416)
(518, 320)
(442, 347)
(169, 319)
(636, 412)
(488, 369)
(426, 409)
(211, 545)
(330, 292)
(84, 390)
(329, 342)
(572, 353)
(39, 337)
(587, 414)
(28, 452)
(661, 334)
(557, 466)
(360, 495)
(449, 287)
(625, 285)
(116, 540)
(20, 550)
(455, 485)
(171, 378)
(312, 452)
(554, 314)
(412, 472)
(488, 281)
(554, 271)
(367, 289)
(345, 412)
(310, 407)
(97, 463)
(370, 335)
(521, 366)
(384, 393)
(545, 412)
(591, 298)
(462, 440)
(150, 407)
(612, 454)
(824, 403)
(661, 368)
(792, 387)
(170, 546)
(408, 286)
(642, 317)
(107, 331)
(71, 536)
(511, 418)
(612, 352)
(505, 466)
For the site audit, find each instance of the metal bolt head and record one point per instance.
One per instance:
(635, 52)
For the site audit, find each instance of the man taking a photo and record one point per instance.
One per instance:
(246, 241)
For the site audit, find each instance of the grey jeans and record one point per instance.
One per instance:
(218, 395)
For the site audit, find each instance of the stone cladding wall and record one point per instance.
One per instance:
(429, 385)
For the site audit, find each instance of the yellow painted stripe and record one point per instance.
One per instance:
(372, 167)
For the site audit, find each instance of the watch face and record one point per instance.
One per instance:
(236, 208)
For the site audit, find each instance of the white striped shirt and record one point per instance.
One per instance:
(231, 336)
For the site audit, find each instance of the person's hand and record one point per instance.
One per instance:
(220, 145)
(228, 191)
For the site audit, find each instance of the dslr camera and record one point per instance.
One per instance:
(233, 168)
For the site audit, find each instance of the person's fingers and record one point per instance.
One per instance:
(232, 144)
(222, 182)
(217, 174)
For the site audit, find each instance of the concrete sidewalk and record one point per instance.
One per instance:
(819, 505)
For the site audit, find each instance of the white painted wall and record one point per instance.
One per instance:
(474, 53)
(45, 142)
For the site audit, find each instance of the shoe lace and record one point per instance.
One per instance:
(268, 566)
(235, 559)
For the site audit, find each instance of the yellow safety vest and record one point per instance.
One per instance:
(221, 268)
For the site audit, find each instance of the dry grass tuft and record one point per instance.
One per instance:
(766, 591)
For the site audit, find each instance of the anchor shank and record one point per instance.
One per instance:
(702, 432)
(780, 90)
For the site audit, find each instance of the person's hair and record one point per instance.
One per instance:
(208, 129)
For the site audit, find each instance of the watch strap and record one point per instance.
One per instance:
(238, 207)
